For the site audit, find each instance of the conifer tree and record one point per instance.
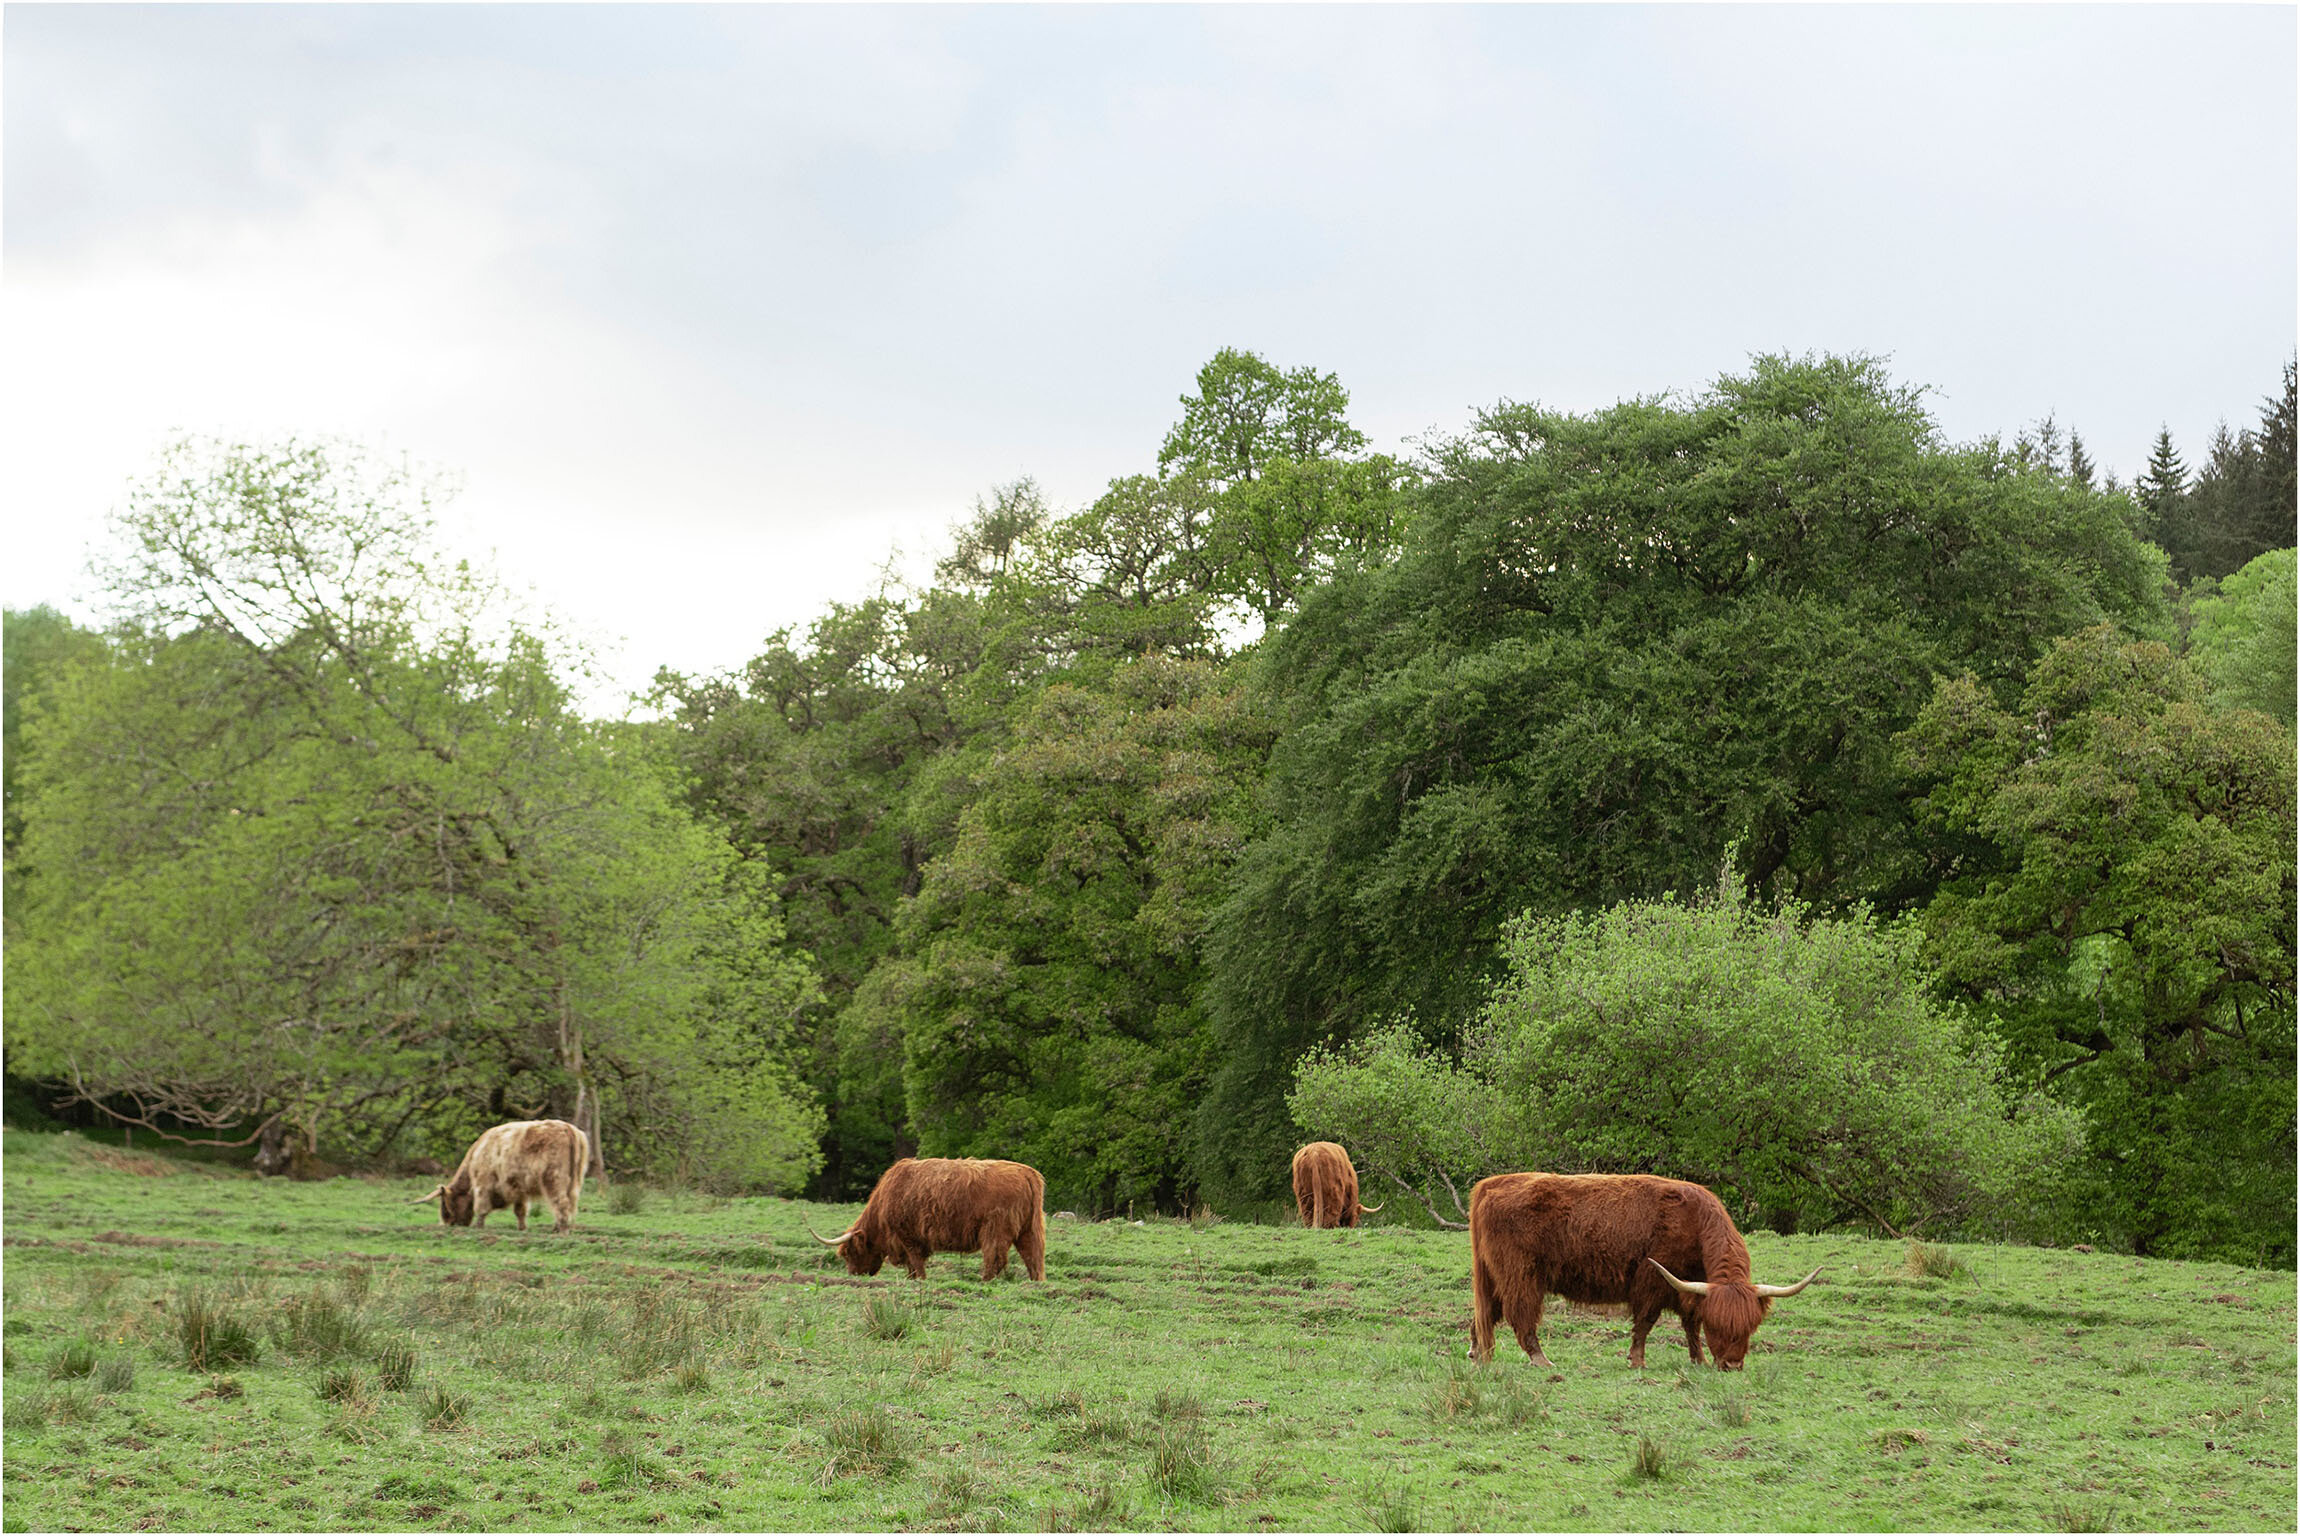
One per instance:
(2080, 466)
(2163, 494)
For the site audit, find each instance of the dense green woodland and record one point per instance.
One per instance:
(1748, 785)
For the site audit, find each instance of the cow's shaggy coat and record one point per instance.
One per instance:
(927, 1205)
(513, 1164)
(1655, 1244)
(1326, 1186)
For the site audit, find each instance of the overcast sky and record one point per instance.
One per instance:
(710, 308)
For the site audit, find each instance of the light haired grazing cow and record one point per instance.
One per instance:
(511, 1165)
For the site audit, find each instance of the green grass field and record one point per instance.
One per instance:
(190, 1348)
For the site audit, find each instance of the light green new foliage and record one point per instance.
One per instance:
(648, 1371)
(320, 836)
(1796, 1063)
(2244, 637)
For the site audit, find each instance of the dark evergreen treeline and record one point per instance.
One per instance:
(1273, 753)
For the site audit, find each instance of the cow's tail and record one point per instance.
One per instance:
(579, 1152)
(1318, 1205)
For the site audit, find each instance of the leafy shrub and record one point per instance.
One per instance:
(1855, 1094)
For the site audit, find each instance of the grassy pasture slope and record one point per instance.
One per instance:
(703, 1363)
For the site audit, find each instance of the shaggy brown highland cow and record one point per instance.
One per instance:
(928, 1205)
(1326, 1186)
(511, 1165)
(1626, 1238)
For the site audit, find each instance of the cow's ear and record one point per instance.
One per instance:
(438, 1191)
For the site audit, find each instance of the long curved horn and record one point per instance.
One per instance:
(1784, 1290)
(827, 1242)
(1368, 1210)
(437, 1191)
(1689, 1287)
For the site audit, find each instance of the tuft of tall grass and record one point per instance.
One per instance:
(956, 1488)
(209, 1335)
(2082, 1517)
(317, 1327)
(445, 1410)
(1182, 1464)
(75, 1360)
(1935, 1261)
(1172, 1406)
(888, 1315)
(1648, 1460)
(1103, 1509)
(395, 1367)
(342, 1384)
(24, 1411)
(863, 1441)
(1392, 1508)
(694, 1376)
(116, 1374)
(659, 1337)
(626, 1199)
(1458, 1394)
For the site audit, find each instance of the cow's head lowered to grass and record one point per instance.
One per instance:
(1731, 1311)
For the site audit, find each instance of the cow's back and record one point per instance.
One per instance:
(1585, 1235)
(528, 1158)
(944, 1203)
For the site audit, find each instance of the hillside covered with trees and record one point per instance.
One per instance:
(1749, 785)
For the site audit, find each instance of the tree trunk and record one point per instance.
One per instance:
(587, 1121)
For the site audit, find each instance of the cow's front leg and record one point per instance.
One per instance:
(916, 1264)
(1522, 1312)
(1641, 1324)
(519, 1209)
(1691, 1317)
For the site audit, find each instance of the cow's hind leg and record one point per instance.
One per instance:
(1031, 1244)
(996, 1241)
(519, 1209)
(1487, 1313)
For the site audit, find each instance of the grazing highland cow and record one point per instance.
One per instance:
(1326, 1187)
(1612, 1238)
(928, 1205)
(511, 1165)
